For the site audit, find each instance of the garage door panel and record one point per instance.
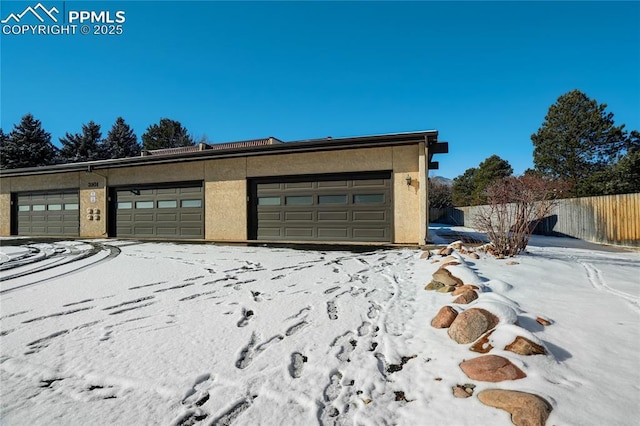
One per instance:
(333, 184)
(369, 183)
(266, 232)
(298, 232)
(370, 216)
(46, 213)
(369, 233)
(269, 216)
(298, 216)
(333, 233)
(333, 216)
(167, 217)
(163, 210)
(323, 207)
(191, 217)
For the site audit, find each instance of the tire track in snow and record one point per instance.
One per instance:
(597, 281)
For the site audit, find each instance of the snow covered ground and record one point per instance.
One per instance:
(130, 333)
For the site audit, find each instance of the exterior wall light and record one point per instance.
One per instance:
(408, 180)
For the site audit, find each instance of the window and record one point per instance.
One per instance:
(332, 199)
(368, 198)
(191, 203)
(125, 205)
(38, 207)
(167, 204)
(268, 201)
(299, 200)
(144, 204)
(23, 208)
(71, 206)
(54, 207)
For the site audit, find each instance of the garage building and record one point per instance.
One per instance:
(369, 189)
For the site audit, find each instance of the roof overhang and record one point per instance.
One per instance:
(430, 137)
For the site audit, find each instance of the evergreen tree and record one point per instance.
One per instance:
(167, 134)
(85, 146)
(577, 142)
(469, 189)
(491, 169)
(121, 142)
(28, 145)
(463, 188)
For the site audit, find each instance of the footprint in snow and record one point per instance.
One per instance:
(247, 315)
(332, 311)
(297, 362)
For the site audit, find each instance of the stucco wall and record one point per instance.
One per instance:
(348, 160)
(226, 200)
(406, 209)
(93, 198)
(5, 210)
(225, 186)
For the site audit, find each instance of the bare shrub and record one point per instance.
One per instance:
(515, 206)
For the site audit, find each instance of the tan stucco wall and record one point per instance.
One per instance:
(93, 199)
(159, 173)
(406, 197)
(225, 186)
(226, 199)
(5, 210)
(348, 160)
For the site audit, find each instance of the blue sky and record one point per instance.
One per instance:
(481, 73)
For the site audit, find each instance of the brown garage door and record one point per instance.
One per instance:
(172, 211)
(353, 207)
(50, 213)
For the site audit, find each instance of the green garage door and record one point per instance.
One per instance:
(159, 211)
(49, 213)
(354, 207)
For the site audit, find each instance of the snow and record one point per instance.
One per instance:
(135, 333)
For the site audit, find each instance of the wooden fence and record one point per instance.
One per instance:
(609, 219)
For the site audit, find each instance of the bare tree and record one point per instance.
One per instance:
(516, 206)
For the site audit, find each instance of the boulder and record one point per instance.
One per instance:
(445, 277)
(523, 346)
(491, 368)
(526, 409)
(444, 317)
(463, 288)
(543, 321)
(425, 255)
(471, 324)
(474, 255)
(446, 289)
(434, 285)
(482, 345)
(466, 297)
(460, 392)
(445, 251)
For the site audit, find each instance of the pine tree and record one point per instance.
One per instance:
(463, 187)
(469, 189)
(490, 170)
(167, 134)
(85, 146)
(121, 141)
(577, 141)
(28, 145)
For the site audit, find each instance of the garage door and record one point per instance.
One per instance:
(52, 213)
(322, 208)
(159, 211)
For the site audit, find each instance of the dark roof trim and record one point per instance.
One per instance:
(312, 145)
